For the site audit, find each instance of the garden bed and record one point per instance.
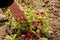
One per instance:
(53, 7)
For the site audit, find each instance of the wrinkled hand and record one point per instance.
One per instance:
(18, 12)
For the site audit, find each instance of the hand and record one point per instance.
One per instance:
(18, 12)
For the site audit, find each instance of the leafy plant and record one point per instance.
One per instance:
(36, 24)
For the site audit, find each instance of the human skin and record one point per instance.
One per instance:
(18, 12)
(15, 8)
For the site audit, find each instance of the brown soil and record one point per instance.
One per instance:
(53, 7)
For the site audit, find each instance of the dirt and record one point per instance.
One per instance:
(53, 7)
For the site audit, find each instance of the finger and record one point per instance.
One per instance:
(24, 17)
(20, 19)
